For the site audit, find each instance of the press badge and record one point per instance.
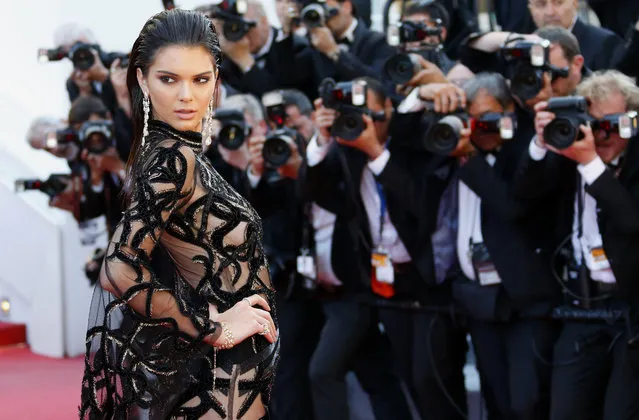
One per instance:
(306, 264)
(485, 272)
(594, 253)
(382, 267)
(382, 274)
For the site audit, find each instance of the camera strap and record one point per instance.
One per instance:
(584, 277)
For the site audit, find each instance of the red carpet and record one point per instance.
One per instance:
(11, 334)
(37, 387)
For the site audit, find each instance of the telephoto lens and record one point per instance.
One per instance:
(400, 68)
(443, 137)
(278, 147)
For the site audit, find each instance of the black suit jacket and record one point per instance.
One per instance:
(555, 178)
(366, 56)
(518, 231)
(288, 65)
(413, 183)
(601, 48)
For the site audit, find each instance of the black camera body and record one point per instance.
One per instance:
(234, 130)
(443, 136)
(279, 142)
(349, 99)
(52, 186)
(401, 67)
(526, 62)
(278, 146)
(96, 136)
(82, 57)
(315, 14)
(231, 12)
(625, 124)
(570, 113)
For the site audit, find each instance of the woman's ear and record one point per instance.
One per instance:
(142, 81)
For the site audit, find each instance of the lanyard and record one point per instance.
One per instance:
(382, 211)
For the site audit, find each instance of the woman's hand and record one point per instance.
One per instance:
(245, 319)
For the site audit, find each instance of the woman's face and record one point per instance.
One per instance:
(180, 84)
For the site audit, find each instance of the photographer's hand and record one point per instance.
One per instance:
(582, 151)
(118, 80)
(446, 97)
(66, 200)
(238, 52)
(323, 41)
(429, 73)
(323, 118)
(542, 119)
(367, 142)
(111, 162)
(97, 71)
(255, 147)
(283, 9)
(292, 167)
(464, 148)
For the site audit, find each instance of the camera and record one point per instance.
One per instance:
(52, 186)
(443, 137)
(349, 99)
(316, 13)
(81, 56)
(231, 12)
(234, 128)
(278, 144)
(526, 62)
(625, 124)
(401, 67)
(96, 136)
(570, 113)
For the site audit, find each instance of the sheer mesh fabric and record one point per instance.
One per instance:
(145, 356)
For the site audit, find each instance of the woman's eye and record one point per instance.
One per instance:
(167, 79)
(202, 80)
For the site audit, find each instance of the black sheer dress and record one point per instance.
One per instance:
(145, 356)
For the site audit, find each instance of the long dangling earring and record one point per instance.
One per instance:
(146, 106)
(208, 125)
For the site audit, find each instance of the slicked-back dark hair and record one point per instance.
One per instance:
(167, 28)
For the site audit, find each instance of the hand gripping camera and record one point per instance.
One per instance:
(315, 14)
(401, 67)
(81, 56)
(52, 186)
(94, 136)
(349, 99)
(570, 113)
(231, 12)
(234, 130)
(526, 62)
(279, 142)
(442, 138)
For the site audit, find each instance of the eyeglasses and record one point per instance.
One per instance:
(542, 4)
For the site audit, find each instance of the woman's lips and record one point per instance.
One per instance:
(185, 114)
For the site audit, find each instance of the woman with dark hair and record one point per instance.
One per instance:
(204, 346)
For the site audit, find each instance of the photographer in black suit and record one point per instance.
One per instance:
(346, 48)
(503, 245)
(594, 185)
(602, 49)
(265, 58)
(392, 236)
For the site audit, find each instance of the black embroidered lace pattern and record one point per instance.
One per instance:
(145, 355)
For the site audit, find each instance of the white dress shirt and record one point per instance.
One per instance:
(469, 224)
(591, 239)
(389, 240)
